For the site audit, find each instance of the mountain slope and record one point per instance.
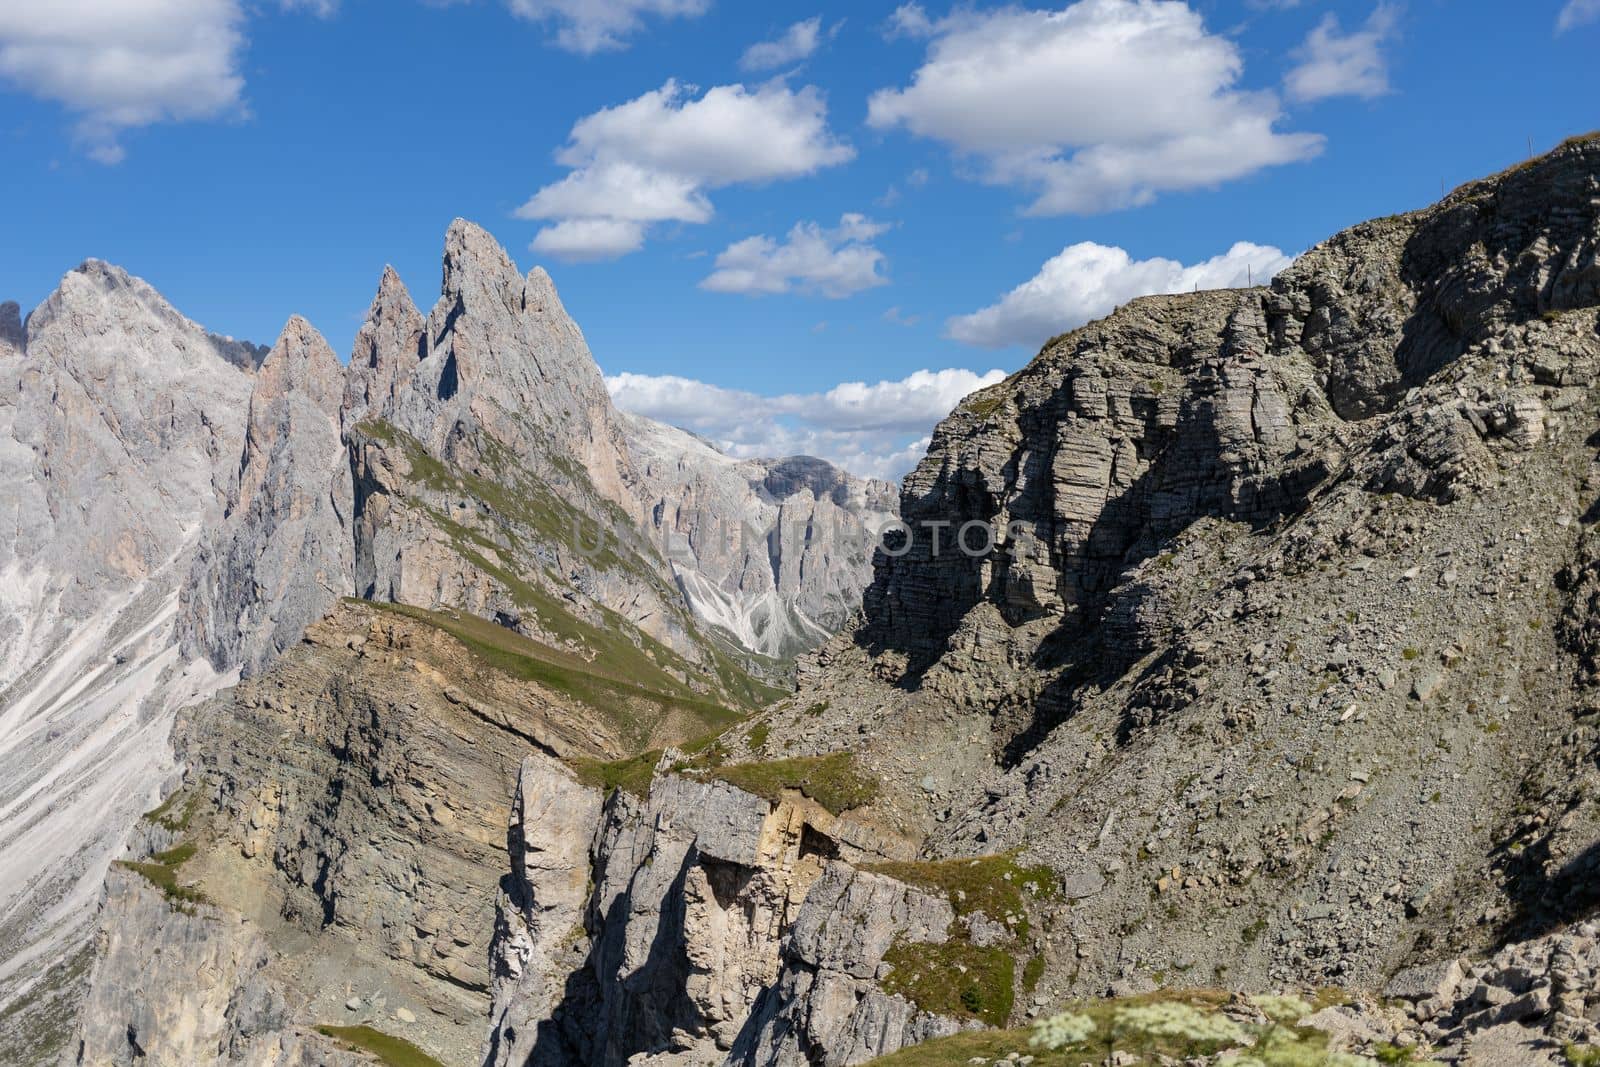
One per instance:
(119, 422)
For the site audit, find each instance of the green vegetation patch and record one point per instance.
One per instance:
(1581, 1055)
(630, 775)
(959, 978)
(391, 1050)
(832, 780)
(175, 813)
(161, 871)
(757, 737)
(995, 885)
(956, 978)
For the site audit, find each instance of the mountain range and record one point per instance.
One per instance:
(1273, 671)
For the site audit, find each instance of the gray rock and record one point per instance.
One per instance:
(776, 552)
(284, 551)
(1440, 979)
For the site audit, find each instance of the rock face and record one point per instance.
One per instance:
(284, 552)
(715, 929)
(1274, 652)
(120, 423)
(553, 823)
(826, 1006)
(775, 552)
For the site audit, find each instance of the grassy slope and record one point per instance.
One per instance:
(523, 509)
(633, 704)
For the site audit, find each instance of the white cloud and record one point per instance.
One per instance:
(1087, 281)
(908, 20)
(1333, 63)
(123, 64)
(796, 43)
(1576, 13)
(834, 262)
(590, 239)
(653, 158)
(590, 26)
(1102, 105)
(879, 430)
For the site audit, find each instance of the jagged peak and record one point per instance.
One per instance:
(102, 292)
(390, 284)
(539, 295)
(301, 360)
(391, 299)
(106, 273)
(470, 253)
(299, 338)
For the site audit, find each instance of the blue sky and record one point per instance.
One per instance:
(851, 203)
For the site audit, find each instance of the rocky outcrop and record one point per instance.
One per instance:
(775, 552)
(827, 1006)
(697, 890)
(539, 917)
(284, 552)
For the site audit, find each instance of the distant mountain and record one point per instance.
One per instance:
(774, 552)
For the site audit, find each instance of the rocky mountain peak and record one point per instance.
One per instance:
(500, 355)
(301, 365)
(283, 553)
(300, 361)
(388, 348)
(475, 263)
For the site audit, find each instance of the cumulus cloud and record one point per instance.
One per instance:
(880, 430)
(1087, 281)
(798, 42)
(123, 64)
(835, 262)
(1576, 13)
(590, 26)
(653, 158)
(578, 240)
(1334, 63)
(1102, 105)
